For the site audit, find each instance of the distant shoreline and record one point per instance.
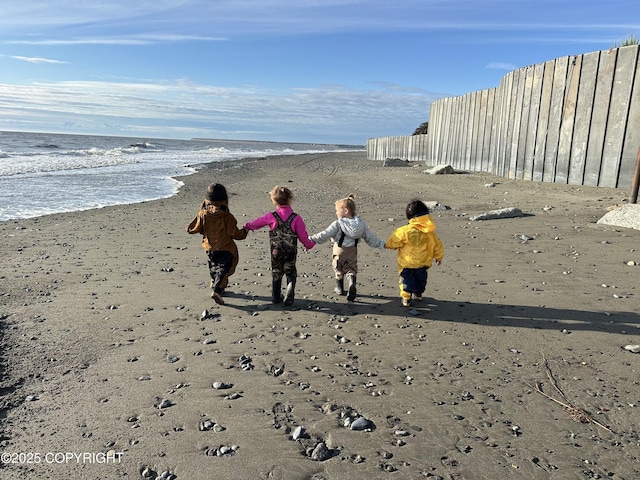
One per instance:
(342, 145)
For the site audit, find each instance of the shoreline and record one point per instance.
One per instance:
(98, 303)
(87, 172)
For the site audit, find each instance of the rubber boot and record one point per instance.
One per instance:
(351, 293)
(339, 286)
(276, 291)
(217, 297)
(290, 292)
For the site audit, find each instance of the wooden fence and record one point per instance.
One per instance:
(412, 148)
(572, 120)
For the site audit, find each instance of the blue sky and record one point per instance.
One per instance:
(327, 71)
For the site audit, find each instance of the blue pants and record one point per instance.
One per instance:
(413, 280)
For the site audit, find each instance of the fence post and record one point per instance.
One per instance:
(635, 182)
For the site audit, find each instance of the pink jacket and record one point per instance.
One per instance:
(284, 211)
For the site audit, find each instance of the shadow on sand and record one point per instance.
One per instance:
(485, 314)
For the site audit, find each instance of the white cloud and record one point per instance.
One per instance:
(182, 106)
(35, 59)
(225, 17)
(149, 39)
(501, 66)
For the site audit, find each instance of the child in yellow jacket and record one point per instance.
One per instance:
(418, 246)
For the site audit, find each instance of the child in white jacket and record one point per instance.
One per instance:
(345, 233)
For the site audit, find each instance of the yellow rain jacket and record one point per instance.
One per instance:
(417, 243)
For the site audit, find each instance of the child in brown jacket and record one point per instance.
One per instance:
(219, 229)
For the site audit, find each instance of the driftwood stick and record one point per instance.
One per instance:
(552, 378)
(576, 413)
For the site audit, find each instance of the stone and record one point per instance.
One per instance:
(441, 170)
(395, 162)
(509, 212)
(320, 453)
(627, 216)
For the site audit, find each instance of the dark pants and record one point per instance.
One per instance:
(220, 264)
(281, 266)
(413, 280)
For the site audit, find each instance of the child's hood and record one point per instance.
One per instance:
(218, 208)
(424, 223)
(353, 227)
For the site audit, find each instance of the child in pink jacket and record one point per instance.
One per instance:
(285, 229)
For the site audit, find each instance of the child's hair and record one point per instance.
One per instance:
(349, 203)
(416, 208)
(281, 195)
(216, 193)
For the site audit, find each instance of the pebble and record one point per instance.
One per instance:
(221, 385)
(360, 423)
(222, 450)
(245, 362)
(163, 403)
(632, 348)
(167, 475)
(387, 467)
(207, 425)
(275, 370)
(320, 452)
(148, 473)
(298, 433)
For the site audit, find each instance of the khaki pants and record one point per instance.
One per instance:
(345, 261)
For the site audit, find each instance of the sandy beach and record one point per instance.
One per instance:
(512, 366)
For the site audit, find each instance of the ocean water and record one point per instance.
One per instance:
(42, 173)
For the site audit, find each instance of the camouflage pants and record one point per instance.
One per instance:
(283, 266)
